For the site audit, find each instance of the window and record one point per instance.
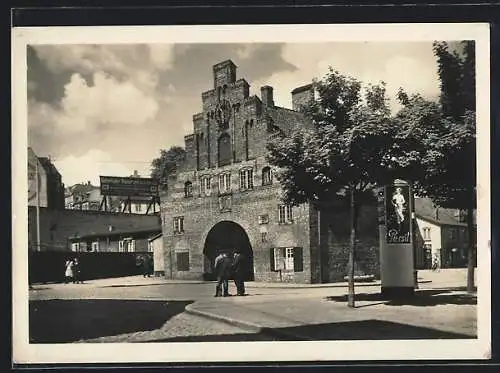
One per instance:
(182, 261)
(224, 183)
(75, 246)
(178, 224)
(130, 245)
(285, 214)
(286, 259)
(427, 233)
(188, 189)
(263, 236)
(246, 179)
(205, 185)
(150, 246)
(224, 147)
(267, 177)
(121, 246)
(95, 246)
(138, 207)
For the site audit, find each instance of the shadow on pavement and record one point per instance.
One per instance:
(423, 298)
(60, 321)
(351, 330)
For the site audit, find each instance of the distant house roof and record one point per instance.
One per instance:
(79, 189)
(48, 166)
(426, 210)
(124, 232)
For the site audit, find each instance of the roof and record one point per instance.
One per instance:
(48, 166)
(82, 188)
(105, 234)
(426, 210)
(285, 118)
(155, 237)
(302, 88)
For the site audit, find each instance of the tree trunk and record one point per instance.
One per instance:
(470, 248)
(353, 213)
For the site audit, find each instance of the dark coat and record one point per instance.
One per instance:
(239, 267)
(224, 268)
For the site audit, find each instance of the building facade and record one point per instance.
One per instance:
(50, 185)
(225, 195)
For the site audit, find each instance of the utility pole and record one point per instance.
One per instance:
(37, 184)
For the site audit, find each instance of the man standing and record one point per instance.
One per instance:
(223, 268)
(239, 272)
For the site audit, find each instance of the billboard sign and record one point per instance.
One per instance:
(397, 214)
(128, 186)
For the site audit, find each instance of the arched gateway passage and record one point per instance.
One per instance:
(226, 236)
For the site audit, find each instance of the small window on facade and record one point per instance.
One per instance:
(427, 233)
(188, 189)
(205, 185)
(285, 214)
(286, 259)
(263, 236)
(224, 183)
(246, 179)
(182, 261)
(178, 224)
(138, 207)
(131, 246)
(267, 178)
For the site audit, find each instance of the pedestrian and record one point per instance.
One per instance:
(68, 273)
(77, 271)
(145, 266)
(239, 272)
(223, 272)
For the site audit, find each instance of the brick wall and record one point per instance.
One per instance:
(57, 226)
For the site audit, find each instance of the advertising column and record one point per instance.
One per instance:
(396, 242)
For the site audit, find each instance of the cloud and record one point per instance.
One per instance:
(107, 102)
(89, 166)
(411, 66)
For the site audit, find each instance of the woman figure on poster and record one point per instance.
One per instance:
(398, 201)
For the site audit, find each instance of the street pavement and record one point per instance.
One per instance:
(137, 309)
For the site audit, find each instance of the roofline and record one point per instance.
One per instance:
(116, 233)
(438, 222)
(155, 237)
(302, 88)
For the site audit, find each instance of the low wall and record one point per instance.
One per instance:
(49, 266)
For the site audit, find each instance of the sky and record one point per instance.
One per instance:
(109, 109)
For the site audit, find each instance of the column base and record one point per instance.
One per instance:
(397, 292)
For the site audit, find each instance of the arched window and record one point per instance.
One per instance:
(188, 189)
(267, 176)
(224, 149)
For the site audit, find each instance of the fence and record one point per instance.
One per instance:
(49, 266)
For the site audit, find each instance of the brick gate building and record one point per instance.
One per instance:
(225, 196)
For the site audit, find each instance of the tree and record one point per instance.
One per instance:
(341, 153)
(437, 143)
(166, 163)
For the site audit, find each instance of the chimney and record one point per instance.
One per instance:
(88, 182)
(266, 93)
(302, 96)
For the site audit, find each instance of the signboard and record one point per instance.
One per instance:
(129, 186)
(397, 214)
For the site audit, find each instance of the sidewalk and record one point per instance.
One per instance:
(329, 318)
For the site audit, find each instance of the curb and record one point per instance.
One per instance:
(272, 332)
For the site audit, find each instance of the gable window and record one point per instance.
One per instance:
(224, 149)
(427, 233)
(246, 179)
(188, 189)
(224, 183)
(267, 177)
(288, 259)
(205, 185)
(178, 224)
(285, 214)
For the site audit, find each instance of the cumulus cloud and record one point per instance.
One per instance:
(89, 166)
(86, 108)
(411, 66)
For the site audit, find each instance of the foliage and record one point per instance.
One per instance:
(166, 163)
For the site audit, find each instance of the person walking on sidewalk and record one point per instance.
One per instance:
(69, 273)
(239, 272)
(77, 272)
(223, 271)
